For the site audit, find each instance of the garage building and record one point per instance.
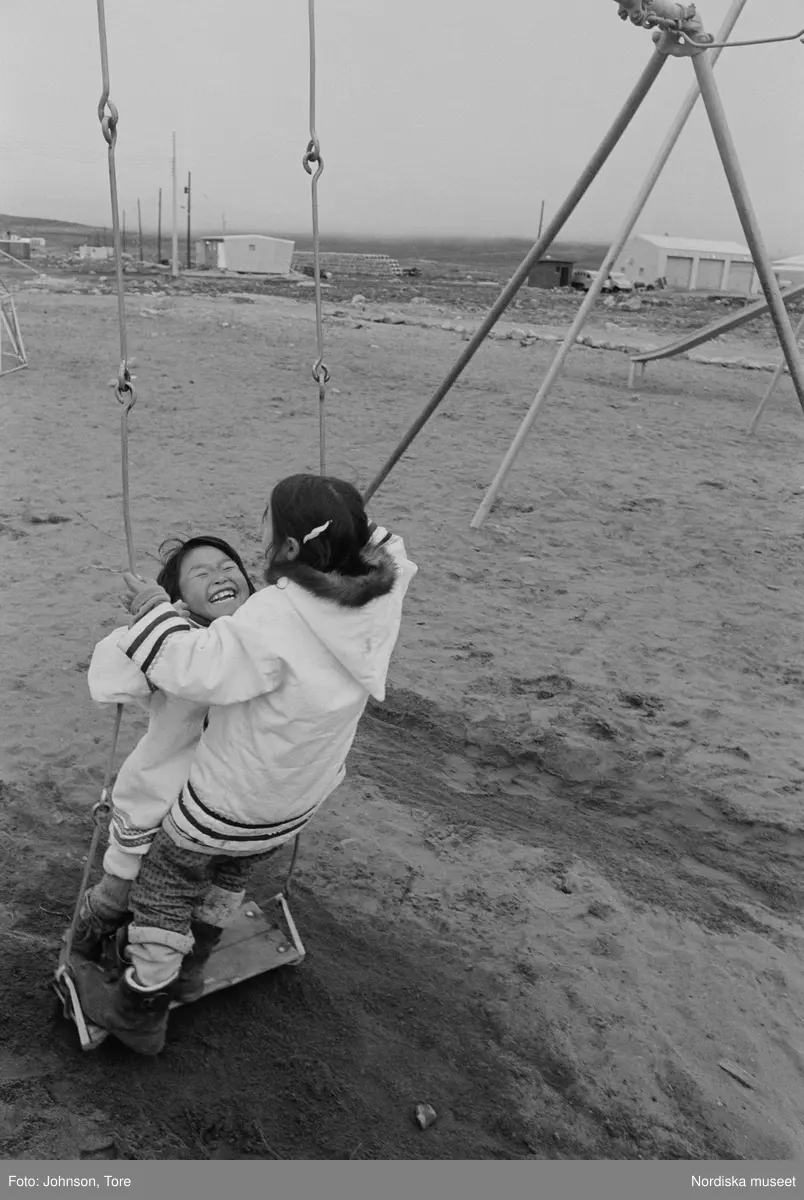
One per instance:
(690, 264)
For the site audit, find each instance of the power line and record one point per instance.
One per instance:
(67, 154)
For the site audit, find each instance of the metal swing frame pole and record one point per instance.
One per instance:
(748, 220)
(592, 295)
(554, 227)
(774, 383)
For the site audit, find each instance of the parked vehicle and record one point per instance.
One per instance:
(582, 279)
(620, 282)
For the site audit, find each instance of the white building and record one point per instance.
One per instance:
(688, 263)
(96, 252)
(248, 252)
(32, 241)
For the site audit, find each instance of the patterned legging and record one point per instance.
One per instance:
(173, 882)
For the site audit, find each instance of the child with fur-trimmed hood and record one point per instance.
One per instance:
(286, 678)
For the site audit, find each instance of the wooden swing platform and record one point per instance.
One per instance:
(254, 944)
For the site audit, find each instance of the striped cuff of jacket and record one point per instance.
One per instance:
(129, 836)
(149, 634)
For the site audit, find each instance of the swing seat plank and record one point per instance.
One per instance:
(89, 1035)
(254, 944)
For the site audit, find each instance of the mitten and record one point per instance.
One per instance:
(150, 596)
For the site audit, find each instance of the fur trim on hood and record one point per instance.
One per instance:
(349, 591)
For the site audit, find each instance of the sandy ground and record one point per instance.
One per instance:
(562, 884)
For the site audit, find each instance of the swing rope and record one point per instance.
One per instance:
(123, 387)
(312, 155)
(126, 395)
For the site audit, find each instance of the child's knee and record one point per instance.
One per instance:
(159, 943)
(155, 955)
(219, 907)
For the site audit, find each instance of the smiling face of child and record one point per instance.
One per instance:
(211, 584)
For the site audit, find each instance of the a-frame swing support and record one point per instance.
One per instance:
(774, 383)
(12, 348)
(678, 33)
(686, 42)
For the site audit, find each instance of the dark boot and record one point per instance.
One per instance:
(136, 1018)
(104, 908)
(190, 984)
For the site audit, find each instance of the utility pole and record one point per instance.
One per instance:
(175, 247)
(124, 231)
(139, 223)
(159, 230)
(541, 221)
(223, 223)
(187, 192)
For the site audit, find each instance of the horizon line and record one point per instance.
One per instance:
(217, 231)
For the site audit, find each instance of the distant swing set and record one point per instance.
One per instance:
(12, 348)
(257, 944)
(678, 33)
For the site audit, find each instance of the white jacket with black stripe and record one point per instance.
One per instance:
(286, 680)
(154, 773)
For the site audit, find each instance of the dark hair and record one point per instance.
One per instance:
(298, 505)
(173, 552)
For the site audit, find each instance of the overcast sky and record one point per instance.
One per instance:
(434, 116)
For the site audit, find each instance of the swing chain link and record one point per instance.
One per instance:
(123, 386)
(102, 809)
(313, 155)
(320, 370)
(124, 389)
(109, 116)
(108, 123)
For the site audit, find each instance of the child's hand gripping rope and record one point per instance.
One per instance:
(142, 595)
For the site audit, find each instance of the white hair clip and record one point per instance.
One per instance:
(315, 532)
